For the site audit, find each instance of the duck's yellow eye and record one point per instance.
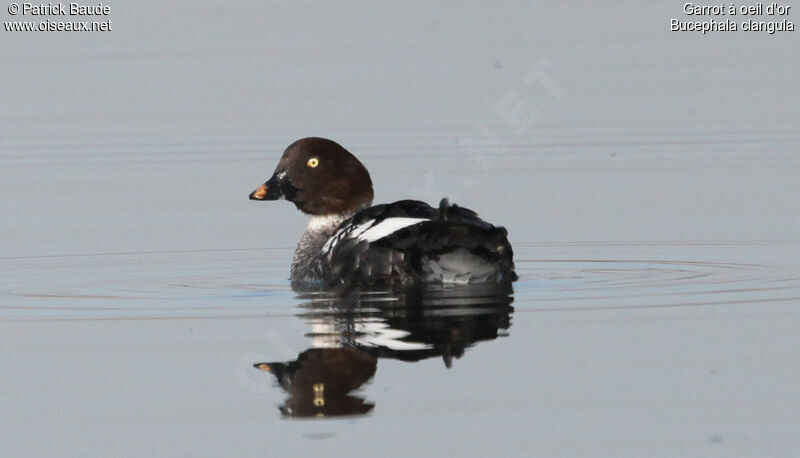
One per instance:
(313, 162)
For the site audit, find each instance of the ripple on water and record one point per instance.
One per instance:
(252, 282)
(194, 283)
(655, 275)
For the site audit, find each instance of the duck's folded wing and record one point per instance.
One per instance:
(410, 241)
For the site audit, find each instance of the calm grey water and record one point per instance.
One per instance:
(648, 180)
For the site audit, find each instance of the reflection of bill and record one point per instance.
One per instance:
(349, 335)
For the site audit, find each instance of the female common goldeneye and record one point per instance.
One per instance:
(348, 241)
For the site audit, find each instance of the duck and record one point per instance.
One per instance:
(349, 241)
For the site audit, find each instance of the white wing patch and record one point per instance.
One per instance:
(371, 231)
(388, 226)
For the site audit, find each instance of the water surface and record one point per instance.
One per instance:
(648, 181)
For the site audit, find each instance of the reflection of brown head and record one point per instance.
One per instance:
(319, 382)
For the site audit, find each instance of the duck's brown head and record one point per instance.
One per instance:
(320, 177)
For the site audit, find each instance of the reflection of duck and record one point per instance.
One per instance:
(350, 333)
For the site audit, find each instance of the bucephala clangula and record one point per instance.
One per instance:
(348, 241)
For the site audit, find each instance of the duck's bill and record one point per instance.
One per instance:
(260, 193)
(271, 190)
(263, 367)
